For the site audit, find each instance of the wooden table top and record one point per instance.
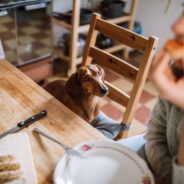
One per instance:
(21, 98)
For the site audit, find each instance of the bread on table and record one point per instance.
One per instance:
(10, 169)
(6, 158)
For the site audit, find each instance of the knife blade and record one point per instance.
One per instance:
(24, 124)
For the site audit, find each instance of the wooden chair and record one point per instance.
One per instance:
(128, 38)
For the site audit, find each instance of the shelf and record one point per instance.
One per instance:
(62, 23)
(115, 48)
(121, 19)
(84, 28)
(59, 52)
(124, 18)
(79, 60)
(81, 29)
(76, 29)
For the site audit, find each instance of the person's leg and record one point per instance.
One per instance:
(136, 143)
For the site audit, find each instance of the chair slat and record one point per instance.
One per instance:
(116, 64)
(121, 66)
(124, 36)
(117, 95)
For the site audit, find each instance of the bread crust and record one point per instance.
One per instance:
(175, 49)
(8, 166)
(9, 176)
(6, 158)
(9, 169)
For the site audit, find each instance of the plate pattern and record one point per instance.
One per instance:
(90, 146)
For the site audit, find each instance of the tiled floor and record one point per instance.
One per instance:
(114, 110)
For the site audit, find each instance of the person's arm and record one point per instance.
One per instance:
(156, 147)
(178, 163)
(180, 157)
(168, 86)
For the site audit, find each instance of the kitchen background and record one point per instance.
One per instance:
(153, 15)
(27, 36)
(25, 28)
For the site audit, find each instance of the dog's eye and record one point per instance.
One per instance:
(86, 79)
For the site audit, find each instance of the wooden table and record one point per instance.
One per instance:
(20, 98)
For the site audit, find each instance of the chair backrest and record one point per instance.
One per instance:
(128, 38)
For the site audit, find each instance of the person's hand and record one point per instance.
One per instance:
(168, 86)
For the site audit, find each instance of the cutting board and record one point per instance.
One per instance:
(18, 145)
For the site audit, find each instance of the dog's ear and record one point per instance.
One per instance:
(73, 86)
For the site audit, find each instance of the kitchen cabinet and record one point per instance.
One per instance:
(75, 28)
(25, 36)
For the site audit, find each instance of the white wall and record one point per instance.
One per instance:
(151, 13)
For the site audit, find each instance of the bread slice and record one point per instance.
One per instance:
(6, 158)
(9, 166)
(9, 176)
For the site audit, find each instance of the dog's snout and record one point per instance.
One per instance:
(104, 90)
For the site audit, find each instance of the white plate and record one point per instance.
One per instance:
(107, 162)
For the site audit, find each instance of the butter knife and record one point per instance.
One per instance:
(24, 124)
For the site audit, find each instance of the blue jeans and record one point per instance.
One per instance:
(136, 143)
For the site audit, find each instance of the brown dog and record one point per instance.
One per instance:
(81, 91)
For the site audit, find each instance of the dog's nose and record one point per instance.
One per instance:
(104, 90)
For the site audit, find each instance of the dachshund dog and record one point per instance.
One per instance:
(82, 91)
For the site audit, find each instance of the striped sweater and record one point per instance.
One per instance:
(162, 142)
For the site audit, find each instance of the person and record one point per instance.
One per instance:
(163, 144)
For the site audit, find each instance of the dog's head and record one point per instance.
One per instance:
(88, 80)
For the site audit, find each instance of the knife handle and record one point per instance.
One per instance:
(32, 119)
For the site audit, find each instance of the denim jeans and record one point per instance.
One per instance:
(136, 143)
